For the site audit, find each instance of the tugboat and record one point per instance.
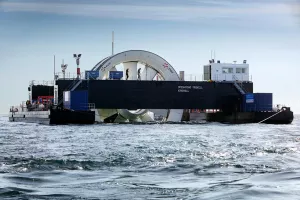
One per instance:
(40, 108)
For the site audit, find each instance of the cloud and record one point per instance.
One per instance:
(296, 8)
(192, 10)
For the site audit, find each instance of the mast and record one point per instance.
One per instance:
(112, 43)
(54, 67)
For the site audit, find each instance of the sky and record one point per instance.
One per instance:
(263, 32)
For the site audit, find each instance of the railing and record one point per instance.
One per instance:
(82, 106)
(15, 109)
(76, 85)
(19, 108)
(31, 107)
(91, 106)
(278, 107)
(217, 77)
(46, 83)
(45, 107)
(204, 110)
(193, 77)
(68, 75)
(232, 77)
(239, 85)
(254, 108)
(68, 88)
(39, 107)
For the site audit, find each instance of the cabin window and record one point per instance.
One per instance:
(240, 70)
(227, 70)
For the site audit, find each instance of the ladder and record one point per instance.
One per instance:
(76, 85)
(239, 88)
(70, 87)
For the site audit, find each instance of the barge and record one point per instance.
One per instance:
(147, 89)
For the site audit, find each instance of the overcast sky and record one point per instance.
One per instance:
(265, 33)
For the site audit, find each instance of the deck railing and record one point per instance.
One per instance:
(68, 75)
(31, 107)
(82, 106)
(46, 83)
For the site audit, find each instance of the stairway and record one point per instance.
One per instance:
(239, 88)
(70, 87)
(76, 85)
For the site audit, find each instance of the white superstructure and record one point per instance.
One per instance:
(217, 71)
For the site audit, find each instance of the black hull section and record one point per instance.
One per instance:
(284, 117)
(72, 117)
(59, 117)
(132, 95)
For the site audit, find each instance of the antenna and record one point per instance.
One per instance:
(54, 67)
(214, 55)
(63, 68)
(112, 43)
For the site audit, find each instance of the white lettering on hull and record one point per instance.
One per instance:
(188, 88)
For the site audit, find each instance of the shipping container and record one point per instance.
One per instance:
(264, 101)
(116, 75)
(91, 74)
(257, 102)
(76, 100)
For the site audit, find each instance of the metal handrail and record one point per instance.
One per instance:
(217, 77)
(68, 75)
(91, 106)
(69, 87)
(239, 83)
(86, 106)
(278, 107)
(45, 83)
(193, 77)
(31, 107)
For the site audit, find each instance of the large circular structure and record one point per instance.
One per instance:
(154, 65)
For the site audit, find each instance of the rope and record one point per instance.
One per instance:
(270, 117)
